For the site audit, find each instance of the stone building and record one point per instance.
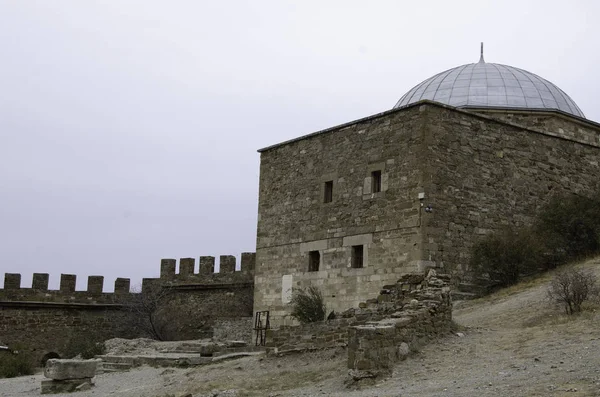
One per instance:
(351, 208)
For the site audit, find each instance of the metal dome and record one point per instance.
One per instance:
(491, 85)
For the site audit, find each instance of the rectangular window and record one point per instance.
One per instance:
(357, 256)
(375, 181)
(328, 196)
(314, 258)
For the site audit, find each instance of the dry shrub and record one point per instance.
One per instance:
(145, 311)
(571, 287)
(569, 227)
(503, 258)
(308, 305)
(12, 365)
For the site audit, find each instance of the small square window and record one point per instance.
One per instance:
(357, 256)
(314, 258)
(375, 181)
(328, 192)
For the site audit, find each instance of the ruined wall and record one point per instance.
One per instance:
(484, 174)
(234, 329)
(294, 219)
(43, 321)
(422, 312)
(382, 330)
(319, 335)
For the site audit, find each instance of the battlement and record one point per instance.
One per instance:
(95, 285)
(66, 293)
(187, 275)
(205, 274)
(187, 266)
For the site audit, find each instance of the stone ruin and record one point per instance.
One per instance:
(381, 331)
(66, 376)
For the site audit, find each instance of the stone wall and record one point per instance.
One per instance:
(422, 311)
(448, 177)
(198, 299)
(484, 174)
(42, 321)
(229, 329)
(294, 219)
(555, 124)
(404, 316)
(319, 335)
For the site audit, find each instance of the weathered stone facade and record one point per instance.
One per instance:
(43, 321)
(447, 176)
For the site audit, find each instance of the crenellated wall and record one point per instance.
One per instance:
(200, 297)
(66, 293)
(40, 320)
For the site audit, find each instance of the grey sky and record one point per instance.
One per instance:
(129, 129)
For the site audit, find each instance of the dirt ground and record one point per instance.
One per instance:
(513, 343)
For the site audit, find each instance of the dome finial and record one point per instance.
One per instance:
(481, 56)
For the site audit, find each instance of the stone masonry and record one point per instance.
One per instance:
(44, 322)
(381, 331)
(412, 188)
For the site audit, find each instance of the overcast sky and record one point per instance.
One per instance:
(129, 129)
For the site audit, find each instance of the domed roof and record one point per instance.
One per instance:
(491, 85)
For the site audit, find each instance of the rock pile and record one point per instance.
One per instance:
(66, 376)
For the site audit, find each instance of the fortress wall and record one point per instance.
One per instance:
(484, 175)
(39, 291)
(198, 297)
(40, 328)
(43, 321)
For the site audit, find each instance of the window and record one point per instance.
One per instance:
(357, 256)
(375, 181)
(314, 258)
(328, 196)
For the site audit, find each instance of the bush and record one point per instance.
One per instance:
(571, 287)
(12, 365)
(308, 305)
(84, 345)
(569, 226)
(505, 257)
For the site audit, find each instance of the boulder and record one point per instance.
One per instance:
(60, 369)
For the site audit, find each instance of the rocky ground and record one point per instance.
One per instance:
(513, 343)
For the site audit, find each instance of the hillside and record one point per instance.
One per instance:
(513, 343)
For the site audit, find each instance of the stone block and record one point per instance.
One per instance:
(12, 280)
(167, 268)
(227, 264)
(68, 282)
(95, 284)
(248, 261)
(186, 266)
(122, 285)
(61, 369)
(207, 265)
(40, 281)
